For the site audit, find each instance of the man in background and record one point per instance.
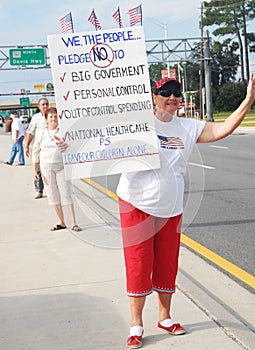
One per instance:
(17, 133)
(37, 123)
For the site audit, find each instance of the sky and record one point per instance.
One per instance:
(29, 22)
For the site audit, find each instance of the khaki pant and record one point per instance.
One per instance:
(57, 188)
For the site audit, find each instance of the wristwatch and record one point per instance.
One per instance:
(26, 145)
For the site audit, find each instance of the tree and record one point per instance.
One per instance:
(251, 41)
(230, 96)
(232, 17)
(155, 71)
(225, 62)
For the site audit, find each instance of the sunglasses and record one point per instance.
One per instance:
(167, 93)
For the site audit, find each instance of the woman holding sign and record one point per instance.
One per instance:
(151, 205)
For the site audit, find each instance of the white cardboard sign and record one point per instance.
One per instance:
(104, 103)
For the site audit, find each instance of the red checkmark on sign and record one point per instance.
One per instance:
(61, 115)
(66, 96)
(63, 77)
(64, 137)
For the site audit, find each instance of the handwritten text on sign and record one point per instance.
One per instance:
(104, 102)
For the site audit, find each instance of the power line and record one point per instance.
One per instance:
(229, 5)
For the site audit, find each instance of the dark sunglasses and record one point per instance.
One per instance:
(167, 93)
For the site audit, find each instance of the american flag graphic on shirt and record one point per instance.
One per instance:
(171, 142)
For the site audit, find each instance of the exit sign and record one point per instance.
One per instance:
(27, 57)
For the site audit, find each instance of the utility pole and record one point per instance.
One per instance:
(201, 64)
(208, 80)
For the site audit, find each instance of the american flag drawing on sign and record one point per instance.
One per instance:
(94, 20)
(66, 23)
(135, 15)
(117, 17)
(170, 142)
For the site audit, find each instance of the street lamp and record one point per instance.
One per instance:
(164, 26)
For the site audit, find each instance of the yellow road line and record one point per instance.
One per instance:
(197, 247)
(101, 188)
(219, 261)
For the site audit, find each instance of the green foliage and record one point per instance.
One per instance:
(193, 80)
(230, 96)
(251, 41)
(225, 62)
(224, 67)
(155, 71)
(227, 94)
(230, 18)
(229, 14)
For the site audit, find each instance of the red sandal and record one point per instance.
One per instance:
(134, 342)
(175, 329)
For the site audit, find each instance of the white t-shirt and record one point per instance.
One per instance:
(17, 126)
(159, 192)
(45, 148)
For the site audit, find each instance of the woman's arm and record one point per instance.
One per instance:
(16, 136)
(216, 131)
(36, 156)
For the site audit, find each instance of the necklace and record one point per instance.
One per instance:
(52, 133)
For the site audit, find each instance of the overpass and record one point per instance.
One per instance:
(27, 108)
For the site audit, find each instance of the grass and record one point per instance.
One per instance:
(249, 120)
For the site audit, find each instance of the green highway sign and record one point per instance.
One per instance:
(24, 101)
(27, 57)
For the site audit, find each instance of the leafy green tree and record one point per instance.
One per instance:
(227, 95)
(224, 67)
(155, 71)
(193, 79)
(232, 17)
(225, 62)
(251, 41)
(230, 96)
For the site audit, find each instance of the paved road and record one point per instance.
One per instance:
(225, 220)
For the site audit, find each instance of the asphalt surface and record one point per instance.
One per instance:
(225, 220)
(66, 291)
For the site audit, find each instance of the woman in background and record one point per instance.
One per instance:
(58, 189)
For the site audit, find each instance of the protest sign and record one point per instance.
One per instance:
(104, 103)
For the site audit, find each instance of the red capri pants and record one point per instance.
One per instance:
(151, 250)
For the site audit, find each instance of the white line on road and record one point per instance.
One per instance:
(223, 147)
(202, 166)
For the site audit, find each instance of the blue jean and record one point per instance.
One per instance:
(39, 184)
(17, 148)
